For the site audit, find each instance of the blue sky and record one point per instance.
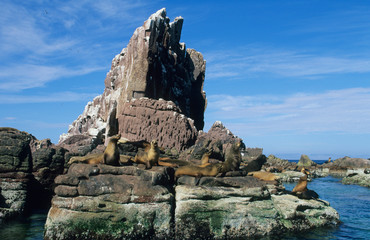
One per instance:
(292, 77)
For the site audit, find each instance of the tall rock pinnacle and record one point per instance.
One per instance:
(154, 65)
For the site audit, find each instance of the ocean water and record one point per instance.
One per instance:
(25, 228)
(351, 201)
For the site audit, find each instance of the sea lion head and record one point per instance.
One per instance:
(154, 143)
(304, 171)
(116, 137)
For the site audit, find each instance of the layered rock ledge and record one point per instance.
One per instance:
(128, 202)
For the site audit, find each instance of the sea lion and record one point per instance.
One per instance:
(302, 183)
(95, 158)
(301, 190)
(211, 170)
(205, 159)
(233, 158)
(110, 156)
(111, 153)
(265, 176)
(150, 157)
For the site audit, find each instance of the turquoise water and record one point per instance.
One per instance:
(351, 201)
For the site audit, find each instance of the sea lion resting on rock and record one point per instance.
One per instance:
(211, 170)
(265, 176)
(302, 183)
(179, 163)
(301, 190)
(205, 159)
(110, 156)
(149, 157)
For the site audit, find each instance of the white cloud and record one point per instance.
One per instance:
(343, 111)
(243, 62)
(43, 42)
(25, 76)
(46, 98)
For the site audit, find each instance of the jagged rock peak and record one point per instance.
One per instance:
(154, 65)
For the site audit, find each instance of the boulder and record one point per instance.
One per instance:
(359, 177)
(305, 161)
(244, 207)
(106, 202)
(275, 164)
(218, 139)
(154, 65)
(15, 172)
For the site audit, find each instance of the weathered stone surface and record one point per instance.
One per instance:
(305, 161)
(246, 212)
(154, 65)
(148, 119)
(15, 168)
(218, 139)
(15, 152)
(348, 163)
(359, 177)
(102, 201)
(253, 164)
(290, 176)
(275, 164)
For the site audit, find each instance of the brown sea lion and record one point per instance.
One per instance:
(302, 183)
(95, 158)
(111, 152)
(205, 159)
(265, 176)
(149, 157)
(110, 156)
(211, 170)
(233, 158)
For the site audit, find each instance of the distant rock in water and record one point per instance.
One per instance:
(305, 161)
(348, 162)
(153, 65)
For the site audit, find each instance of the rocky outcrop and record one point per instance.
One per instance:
(348, 163)
(107, 202)
(243, 207)
(218, 139)
(47, 163)
(275, 164)
(305, 161)
(359, 177)
(154, 65)
(15, 172)
(148, 119)
(28, 168)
